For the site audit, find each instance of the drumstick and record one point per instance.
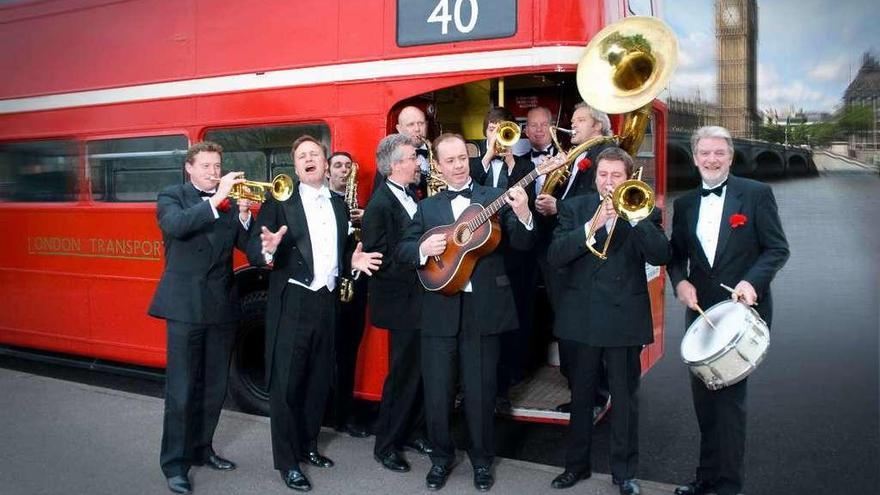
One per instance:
(733, 291)
(700, 310)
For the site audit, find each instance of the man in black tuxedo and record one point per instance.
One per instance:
(538, 122)
(464, 327)
(198, 299)
(306, 239)
(727, 232)
(586, 123)
(396, 302)
(503, 170)
(493, 169)
(604, 314)
(350, 324)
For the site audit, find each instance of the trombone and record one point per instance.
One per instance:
(632, 200)
(281, 188)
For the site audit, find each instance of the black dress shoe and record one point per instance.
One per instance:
(317, 460)
(565, 407)
(421, 446)
(568, 479)
(696, 487)
(628, 487)
(356, 431)
(437, 477)
(214, 461)
(296, 480)
(180, 484)
(393, 461)
(483, 479)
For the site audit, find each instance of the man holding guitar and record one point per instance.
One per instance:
(463, 326)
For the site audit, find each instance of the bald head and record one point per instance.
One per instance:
(411, 122)
(538, 127)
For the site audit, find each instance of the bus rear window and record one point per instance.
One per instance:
(135, 169)
(38, 171)
(263, 152)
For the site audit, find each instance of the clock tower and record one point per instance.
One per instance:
(736, 28)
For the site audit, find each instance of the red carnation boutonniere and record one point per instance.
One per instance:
(224, 205)
(585, 164)
(738, 220)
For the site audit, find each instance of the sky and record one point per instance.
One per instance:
(808, 50)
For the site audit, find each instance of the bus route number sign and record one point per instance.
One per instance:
(425, 22)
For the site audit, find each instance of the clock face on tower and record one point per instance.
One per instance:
(730, 16)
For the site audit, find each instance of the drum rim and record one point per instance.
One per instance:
(730, 345)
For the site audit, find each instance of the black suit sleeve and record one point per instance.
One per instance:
(519, 237)
(678, 263)
(242, 235)
(569, 237)
(649, 238)
(771, 238)
(407, 252)
(378, 222)
(478, 173)
(180, 222)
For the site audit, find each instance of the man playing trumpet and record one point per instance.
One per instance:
(604, 313)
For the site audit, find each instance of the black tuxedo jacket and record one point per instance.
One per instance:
(584, 183)
(294, 258)
(491, 285)
(522, 165)
(605, 302)
(395, 295)
(197, 285)
(753, 252)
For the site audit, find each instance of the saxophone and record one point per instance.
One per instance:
(346, 285)
(561, 175)
(435, 181)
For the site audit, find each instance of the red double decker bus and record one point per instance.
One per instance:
(100, 100)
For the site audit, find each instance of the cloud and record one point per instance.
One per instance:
(831, 70)
(783, 94)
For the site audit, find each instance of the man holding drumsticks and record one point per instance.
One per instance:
(727, 232)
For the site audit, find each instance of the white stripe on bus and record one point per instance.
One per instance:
(358, 71)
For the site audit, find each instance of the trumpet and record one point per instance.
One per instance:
(281, 188)
(632, 200)
(506, 135)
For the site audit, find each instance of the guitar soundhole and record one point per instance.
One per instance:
(463, 235)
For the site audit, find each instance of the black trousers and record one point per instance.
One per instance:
(522, 272)
(402, 411)
(298, 397)
(475, 357)
(721, 415)
(349, 332)
(624, 369)
(195, 388)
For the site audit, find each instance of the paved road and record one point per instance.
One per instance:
(813, 404)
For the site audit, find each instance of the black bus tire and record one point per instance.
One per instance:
(247, 377)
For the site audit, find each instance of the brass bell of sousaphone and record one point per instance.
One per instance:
(624, 67)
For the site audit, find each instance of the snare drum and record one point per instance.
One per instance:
(726, 354)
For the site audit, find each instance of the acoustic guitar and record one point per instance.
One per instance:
(475, 234)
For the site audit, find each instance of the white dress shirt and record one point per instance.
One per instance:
(709, 222)
(539, 180)
(405, 200)
(574, 172)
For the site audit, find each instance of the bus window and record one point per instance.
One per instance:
(646, 157)
(135, 169)
(38, 171)
(263, 152)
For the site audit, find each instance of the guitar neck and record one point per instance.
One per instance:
(496, 205)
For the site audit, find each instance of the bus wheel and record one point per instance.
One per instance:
(247, 377)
